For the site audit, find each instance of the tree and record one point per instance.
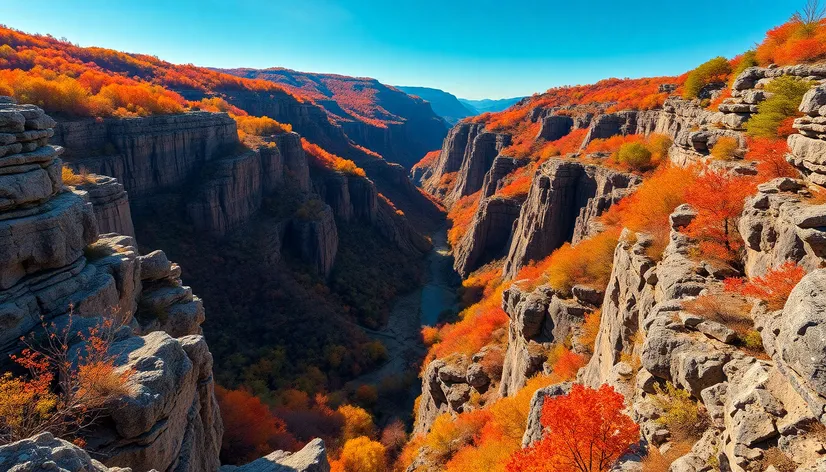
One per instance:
(714, 70)
(718, 197)
(584, 431)
(361, 454)
(725, 149)
(250, 428)
(787, 92)
(357, 422)
(774, 287)
(770, 155)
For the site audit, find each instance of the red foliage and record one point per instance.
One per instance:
(585, 431)
(612, 144)
(250, 428)
(568, 364)
(428, 160)
(773, 287)
(793, 42)
(718, 197)
(770, 155)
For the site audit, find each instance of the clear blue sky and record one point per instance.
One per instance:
(472, 48)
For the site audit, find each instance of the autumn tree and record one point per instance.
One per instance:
(357, 422)
(770, 155)
(774, 287)
(718, 197)
(781, 106)
(714, 70)
(584, 431)
(361, 454)
(250, 428)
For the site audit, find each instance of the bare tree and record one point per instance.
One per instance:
(811, 14)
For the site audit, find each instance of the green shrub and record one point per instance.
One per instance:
(749, 59)
(725, 149)
(787, 93)
(681, 414)
(716, 69)
(636, 155)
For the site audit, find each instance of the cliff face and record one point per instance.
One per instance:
(56, 268)
(149, 154)
(559, 194)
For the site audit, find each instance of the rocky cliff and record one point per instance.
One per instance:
(559, 205)
(58, 269)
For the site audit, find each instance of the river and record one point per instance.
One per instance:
(413, 310)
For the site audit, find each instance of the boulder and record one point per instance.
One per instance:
(311, 458)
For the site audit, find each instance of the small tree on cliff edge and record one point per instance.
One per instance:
(585, 431)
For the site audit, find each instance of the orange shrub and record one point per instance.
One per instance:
(649, 207)
(260, 125)
(519, 183)
(361, 455)
(586, 431)
(327, 160)
(770, 155)
(589, 262)
(565, 145)
(774, 287)
(794, 42)
(428, 160)
(566, 363)
(612, 144)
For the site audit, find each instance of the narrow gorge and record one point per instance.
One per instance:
(238, 269)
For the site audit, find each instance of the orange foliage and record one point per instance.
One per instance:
(357, 422)
(567, 364)
(428, 160)
(793, 42)
(518, 183)
(327, 160)
(612, 144)
(718, 197)
(565, 145)
(770, 155)
(773, 287)
(250, 428)
(586, 431)
(260, 125)
(361, 455)
(589, 262)
(648, 208)
(460, 216)
(64, 78)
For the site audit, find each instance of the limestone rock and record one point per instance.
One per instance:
(488, 234)
(549, 215)
(311, 458)
(533, 432)
(110, 204)
(44, 452)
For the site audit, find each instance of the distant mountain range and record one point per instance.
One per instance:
(443, 103)
(453, 109)
(488, 105)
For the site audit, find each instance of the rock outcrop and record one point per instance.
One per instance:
(312, 458)
(45, 452)
(110, 203)
(147, 154)
(539, 320)
(550, 214)
(55, 268)
(488, 234)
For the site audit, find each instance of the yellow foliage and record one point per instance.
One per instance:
(357, 422)
(260, 125)
(71, 178)
(362, 455)
(725, 149)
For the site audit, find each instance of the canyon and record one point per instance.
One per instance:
(629, 236)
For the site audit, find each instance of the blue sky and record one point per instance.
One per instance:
(472, 48)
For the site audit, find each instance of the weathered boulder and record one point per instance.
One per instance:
(110, 204)
(44, 452)
(311, 458)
